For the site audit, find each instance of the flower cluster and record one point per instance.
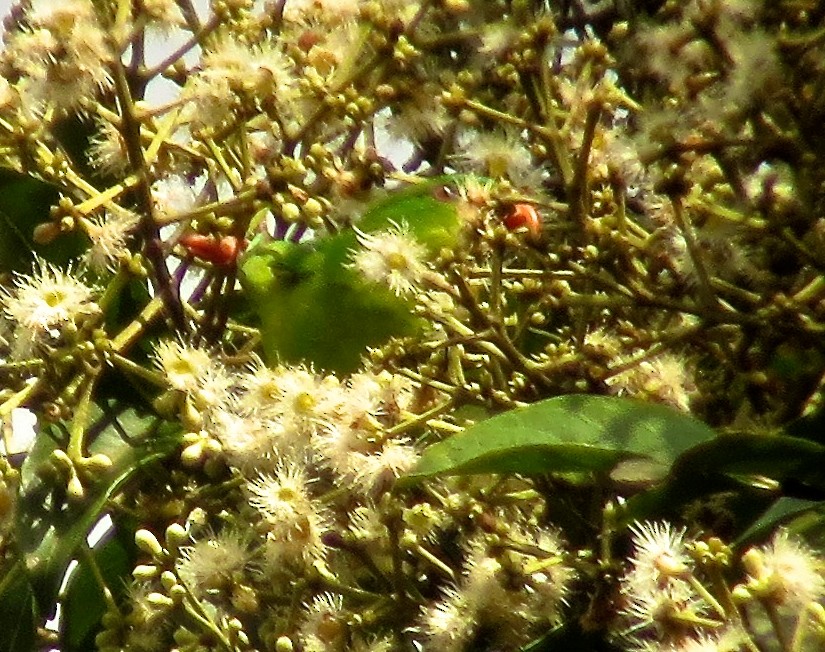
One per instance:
(43, 309)
(312, 523)
(422, 214)
(673, 603)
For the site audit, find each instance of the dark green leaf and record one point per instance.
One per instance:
(669, 498)
(782, 511)
(775, 456)
(84, 604)
(727, 463)
(574, 433)
(49, 529)
(18, 617)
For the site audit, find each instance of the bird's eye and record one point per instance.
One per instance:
(444, 192)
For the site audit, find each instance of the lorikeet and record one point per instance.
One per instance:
(315, 308)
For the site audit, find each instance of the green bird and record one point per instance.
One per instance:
(315, 308)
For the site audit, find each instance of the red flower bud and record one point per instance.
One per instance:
(221, 251)
(523, 215)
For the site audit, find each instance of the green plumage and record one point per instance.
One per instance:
(314, 308)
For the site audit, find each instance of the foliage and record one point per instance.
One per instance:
(538, 290)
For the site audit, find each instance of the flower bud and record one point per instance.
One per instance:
(144, 572)
(168, 580)
(111, 619)
(284, 644)
(96, 464)
(160, 600)
(313, 207)
(61, 461)
(177, 593)
(148, 543)
(45, 233)
(212, 446)
(176, 535)
(290, 212)
(192, 456)
(741, 594)
(105, 639)
(74, 489)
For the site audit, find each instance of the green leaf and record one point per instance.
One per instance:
(668, 499)
(18, 617)
(84, 604)
(50, 529)
(727, 463)
(574, 433)
(782, 511)
(775, 456)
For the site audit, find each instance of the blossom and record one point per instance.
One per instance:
(659, 590)
(249, 442)
(496, 154)
(383, 395)
(496, 39)
(290, 516)
(509, 594)
(42, 305)
(63, 54)
(419, 117)
(184, 365)
(545, 577)
(726, 640)
(162, 13)
(659, 553)
(786, 572)
(294, 396)
(351, 440)
(335, 444)
(373, 644)
(211, 102)
(602, 344)
(377, 470)
(300, 402)
(236, 74)
(213, 563)
(327, 53)
(258, 70)
(366, 524)
(664, 378)
(107, 151)
(109, 235)
(361, 405)
(324, 625)
(392, 257)
(324, 11)
(484, 577)
(172, 196)
(449, 623)
(146, 620)
(59, 15)
(666, 608)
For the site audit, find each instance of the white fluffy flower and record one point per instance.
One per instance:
(184, 366)
(284, 502)
(214, 563)
(109, 236)
(392, 257)
(43, 304)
